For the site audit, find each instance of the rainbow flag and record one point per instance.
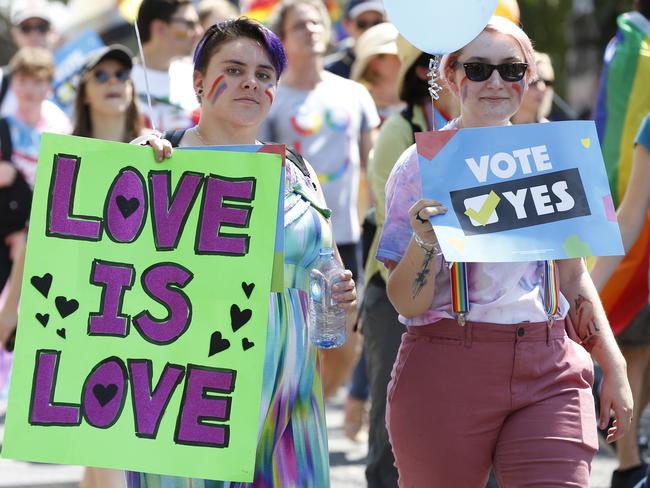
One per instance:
(622, 103)
(261, 10)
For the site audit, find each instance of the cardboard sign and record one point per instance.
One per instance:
(144, 309)
(519, 193)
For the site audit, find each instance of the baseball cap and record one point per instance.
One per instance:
(379, 39)
(114, 51)
(408, 54)
(354, 8)
(29, 9)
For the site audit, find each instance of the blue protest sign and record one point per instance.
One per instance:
(519, 193)
(69, 59)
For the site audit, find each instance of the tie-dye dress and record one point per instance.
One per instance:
(292, 448)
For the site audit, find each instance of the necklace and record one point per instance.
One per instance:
(199, 136)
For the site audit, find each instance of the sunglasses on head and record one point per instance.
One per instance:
(507, 71)
(367, 24)
(102, 76)
(41, 28)
(547, 83)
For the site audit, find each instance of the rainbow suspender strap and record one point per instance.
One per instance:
(460, 291)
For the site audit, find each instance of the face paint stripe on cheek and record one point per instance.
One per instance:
(217, 89)
(269, 93)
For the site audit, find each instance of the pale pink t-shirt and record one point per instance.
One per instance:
(502, 293)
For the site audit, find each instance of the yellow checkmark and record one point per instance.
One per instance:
(483, 215)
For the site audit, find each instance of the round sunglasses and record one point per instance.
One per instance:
(507, 71)
(102, 76)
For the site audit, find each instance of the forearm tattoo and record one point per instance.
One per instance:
(421, 278)
(585, 324)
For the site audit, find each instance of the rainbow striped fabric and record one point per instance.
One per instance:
(622, 103)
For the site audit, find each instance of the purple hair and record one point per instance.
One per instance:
(229, 30)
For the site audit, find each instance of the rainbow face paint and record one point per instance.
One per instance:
(519, 88)
(269, 93)
(217, 89)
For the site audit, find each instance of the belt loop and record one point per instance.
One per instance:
(468, 334)
(551, 322)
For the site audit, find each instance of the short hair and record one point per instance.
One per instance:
(229, 30)
(503, 26)
(279, 15)
(33, 61)
(151, 10)
(415, 90)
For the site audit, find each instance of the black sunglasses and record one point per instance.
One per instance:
(507, 71)
(102, 76)
(41, 28)
(365, 24)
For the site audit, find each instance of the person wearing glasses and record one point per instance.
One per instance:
(508, 388)
(169, 30)
(538, 100)
(237, 67)
(360, 15)
(105, 107)
(31, 26)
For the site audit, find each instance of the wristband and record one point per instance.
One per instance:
(432, 247)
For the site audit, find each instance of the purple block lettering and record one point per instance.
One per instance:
(215, 214)
(160, 282)
(170, 212)
(115, 279)
(61, 222)
(196, 407)
(104, 393)
(148, 406)
(43, 410)
(126, 206)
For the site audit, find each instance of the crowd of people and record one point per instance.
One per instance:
(505, 400)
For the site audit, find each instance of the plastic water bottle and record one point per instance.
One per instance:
(327, 327)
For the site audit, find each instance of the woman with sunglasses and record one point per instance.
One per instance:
(237, 65)
(508, 388)
(105, 107)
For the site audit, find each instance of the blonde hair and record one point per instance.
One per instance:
(500, 25)
(33, 61)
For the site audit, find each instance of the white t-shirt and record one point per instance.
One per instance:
(325, 125)
(172, 95)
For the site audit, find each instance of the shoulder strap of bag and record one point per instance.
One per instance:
(407, 114)
(174, 136)
(4, 84)
(6, 145)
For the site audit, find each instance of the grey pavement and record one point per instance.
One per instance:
(347, 460)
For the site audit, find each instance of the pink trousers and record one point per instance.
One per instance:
(516, 397)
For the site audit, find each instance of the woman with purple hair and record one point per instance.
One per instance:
(236, 69)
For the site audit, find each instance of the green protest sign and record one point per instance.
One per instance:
(144, 309)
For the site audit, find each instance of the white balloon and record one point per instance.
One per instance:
(440, 26)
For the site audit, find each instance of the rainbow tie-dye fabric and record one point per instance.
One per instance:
(623, 101)
(292, 446)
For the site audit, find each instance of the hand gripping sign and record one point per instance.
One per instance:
(519, 193)
(144, 309)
